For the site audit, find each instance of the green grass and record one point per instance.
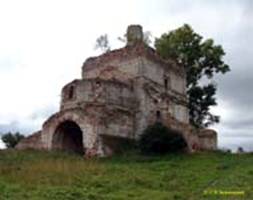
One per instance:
(57, 175)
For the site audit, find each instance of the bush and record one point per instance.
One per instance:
(12, 139)
(158, 139)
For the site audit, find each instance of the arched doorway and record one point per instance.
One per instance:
(68, 137)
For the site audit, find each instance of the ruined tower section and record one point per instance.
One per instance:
(121, 92)
(158, 86)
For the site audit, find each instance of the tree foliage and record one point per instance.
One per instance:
(201, 60)
(158, 139)
(102, 43)
(11, 139)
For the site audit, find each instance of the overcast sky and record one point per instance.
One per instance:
(43, 44)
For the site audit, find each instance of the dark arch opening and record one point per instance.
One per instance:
(158, 115)
(71, 92)
(166, 83)
(68, 137)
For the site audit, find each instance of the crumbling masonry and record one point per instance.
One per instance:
(121, 92)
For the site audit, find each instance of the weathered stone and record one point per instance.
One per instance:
(31, 142)
(121, 92)
(134, 34)
(208, 139)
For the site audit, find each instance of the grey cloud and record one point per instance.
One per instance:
(7, 62)
(15, 126)
(240, 123)
(43, 113)
(234, 142)
(182, 7)
(230, 132)
(235, 88)
(248, 6)
(30, 124)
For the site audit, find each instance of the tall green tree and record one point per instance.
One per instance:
(11, 139)
(202, 60)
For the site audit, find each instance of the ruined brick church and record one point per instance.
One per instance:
(120, 93)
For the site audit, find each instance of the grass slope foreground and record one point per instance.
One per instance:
(53, 175)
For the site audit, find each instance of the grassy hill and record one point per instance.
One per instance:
(41, 175)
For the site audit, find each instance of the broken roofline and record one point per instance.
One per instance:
(139, 49)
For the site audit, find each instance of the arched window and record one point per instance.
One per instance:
(166, 83)
(98, 84)
(71, 92)
(158, 115)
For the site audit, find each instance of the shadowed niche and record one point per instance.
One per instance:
(68, 137)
